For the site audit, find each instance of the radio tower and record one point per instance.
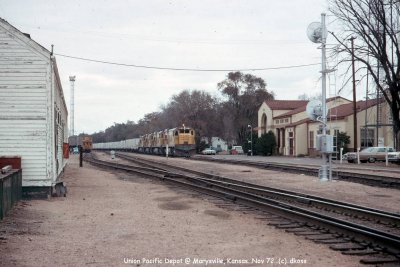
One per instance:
(72, 82)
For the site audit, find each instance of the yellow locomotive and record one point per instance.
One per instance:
(179, 141)
(86, 142)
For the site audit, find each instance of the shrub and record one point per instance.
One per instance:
(342, 141)
(266, 144)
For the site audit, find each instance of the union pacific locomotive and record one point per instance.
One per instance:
(179, 141)
(84, 141)
(86, 144)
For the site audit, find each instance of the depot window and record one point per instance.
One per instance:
(311, 141)
(367, 137)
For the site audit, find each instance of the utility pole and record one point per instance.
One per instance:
(251, 139)
(317, 34)
(72, 82)
(354, 96)
(326, 171)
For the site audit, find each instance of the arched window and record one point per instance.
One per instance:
(263, 124)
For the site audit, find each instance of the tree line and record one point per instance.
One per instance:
(226, 117)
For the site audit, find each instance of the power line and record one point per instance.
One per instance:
(185, 69)
(175, 40)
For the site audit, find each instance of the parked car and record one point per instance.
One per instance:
(237, 150)
(208, 151)
(372, 154)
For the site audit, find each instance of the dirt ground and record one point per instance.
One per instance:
(120, 219)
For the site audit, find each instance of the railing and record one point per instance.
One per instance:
(10, 190)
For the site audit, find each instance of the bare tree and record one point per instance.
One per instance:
(305, 96)
(374, 24)
(245, 93)
(196, 109)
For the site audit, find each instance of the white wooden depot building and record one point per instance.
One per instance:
(33, 113)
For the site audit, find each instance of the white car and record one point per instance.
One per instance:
(372, 154)
(208, 151)
(237, 150)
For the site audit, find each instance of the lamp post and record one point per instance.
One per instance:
(251, 138)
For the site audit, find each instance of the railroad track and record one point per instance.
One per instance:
(388, 221)
(362, 178)
(353, 229)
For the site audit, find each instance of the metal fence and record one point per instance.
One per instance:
(10, 190)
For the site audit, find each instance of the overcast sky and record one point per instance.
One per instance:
(206, 34)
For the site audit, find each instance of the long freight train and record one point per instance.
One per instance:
(179, 141)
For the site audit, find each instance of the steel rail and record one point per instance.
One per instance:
(372, 234)
(376, 180)
(296, 196)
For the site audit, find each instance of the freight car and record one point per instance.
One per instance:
(80, 141)
(130, 145)
(179, 141)
(87, 144)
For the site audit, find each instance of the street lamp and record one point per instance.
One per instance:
(251, 138)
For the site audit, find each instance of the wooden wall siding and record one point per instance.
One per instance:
(60, 121)
(24, 106)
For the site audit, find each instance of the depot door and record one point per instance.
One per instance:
(291, 144)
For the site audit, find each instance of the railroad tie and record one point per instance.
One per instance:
(359, 252)
(321, 237)
(346, 246)
(275, 223)
(298, 230)
(307, 233)
(332, 241)
(289, 226)
(381, 260)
